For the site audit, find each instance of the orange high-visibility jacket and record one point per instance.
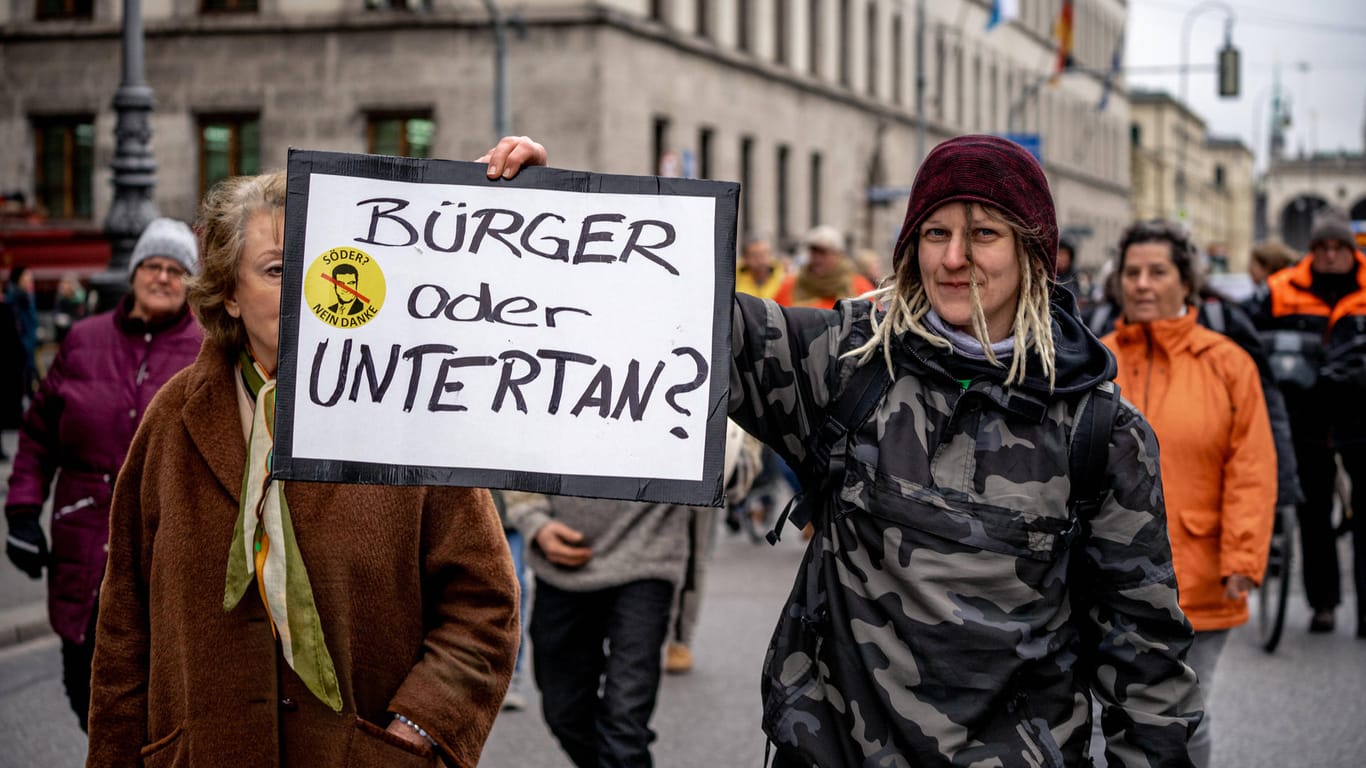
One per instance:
(1291, 298)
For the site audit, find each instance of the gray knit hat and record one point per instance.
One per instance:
(1331, 224)
(168, 239)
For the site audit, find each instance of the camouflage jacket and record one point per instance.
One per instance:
(943, 562)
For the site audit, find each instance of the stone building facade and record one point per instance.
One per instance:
(1182, 173)
(819, 107)
(1297, 187)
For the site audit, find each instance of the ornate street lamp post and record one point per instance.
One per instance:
(134, 166)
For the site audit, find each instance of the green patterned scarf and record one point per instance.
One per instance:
(264, 550)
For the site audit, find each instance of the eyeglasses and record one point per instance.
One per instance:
(170, 270)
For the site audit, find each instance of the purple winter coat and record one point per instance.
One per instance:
(78, 429)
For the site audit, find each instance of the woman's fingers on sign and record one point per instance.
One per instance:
(511, 154)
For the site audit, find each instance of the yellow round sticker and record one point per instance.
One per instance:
(344, 287)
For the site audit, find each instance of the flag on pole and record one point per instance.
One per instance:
(1002, 11)
(1116, 63)
(1062, 32)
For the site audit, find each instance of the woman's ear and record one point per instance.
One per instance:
(232, 307)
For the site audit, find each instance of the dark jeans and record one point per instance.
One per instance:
(596, 658)
(1318, 541)
(516, 544)
(76, 662)
(1354, 462)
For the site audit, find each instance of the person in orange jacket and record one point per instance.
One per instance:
(826, 277)
(1315, 314)
(1203, 396)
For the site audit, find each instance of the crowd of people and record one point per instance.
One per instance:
(1024, 503)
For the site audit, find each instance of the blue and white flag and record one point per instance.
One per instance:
(1116, 64)
(1002, 11)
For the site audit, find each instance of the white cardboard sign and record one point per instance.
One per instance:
(563, 332)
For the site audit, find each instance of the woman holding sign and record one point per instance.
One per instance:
(991, 546)
(244, 621)
(967, 592)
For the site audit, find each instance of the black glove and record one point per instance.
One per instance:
(26, 544)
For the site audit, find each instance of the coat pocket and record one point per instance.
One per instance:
(166, 752)
(955, 556)
(1201, 522)
(959, 525)
(373, 747)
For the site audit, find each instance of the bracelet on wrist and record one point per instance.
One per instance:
(420, 731)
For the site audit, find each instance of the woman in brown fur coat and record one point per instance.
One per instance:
(244, 621)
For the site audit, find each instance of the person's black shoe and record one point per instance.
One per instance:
(1321, 622)
(1361, 629)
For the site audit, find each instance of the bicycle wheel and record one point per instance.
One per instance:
(1274, 594)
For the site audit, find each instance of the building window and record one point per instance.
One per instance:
(703, 8)
(1135, 135)
(940, 64)
(817, 183)
(960, 76)
(993, 86)
(704, 152)
(65, 9)
(1010, 99)
(744, 11)
(659, 146)
(229, 145)
(898, 61)
(784, 220)
(870, 29)
(780, 16)
(64, 162)
(976, 94)
(398, 5)
(1219, 177)
(845, 44)
(746, 179)
(228, 6)
(400, 134)
(813, 37)
(658, 10)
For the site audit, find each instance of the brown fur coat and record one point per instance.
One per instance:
(414, 586)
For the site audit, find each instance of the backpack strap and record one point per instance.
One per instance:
(1089, 451)
(1088, 455)
(1214, 314)
(1100, 319)
(824, 465)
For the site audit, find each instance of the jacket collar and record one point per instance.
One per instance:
(1081, 362)
(1173, 334)
(928, 359)
(1301, 275)
(210, 417)
(134, 326)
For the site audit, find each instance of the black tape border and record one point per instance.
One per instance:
(706, 492)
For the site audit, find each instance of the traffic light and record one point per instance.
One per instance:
(1228, 71)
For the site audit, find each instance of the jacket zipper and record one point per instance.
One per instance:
(88, 501)
(1148, 370)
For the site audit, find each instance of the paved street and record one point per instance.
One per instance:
(1303, 706)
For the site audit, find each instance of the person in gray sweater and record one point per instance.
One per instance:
(606, 572)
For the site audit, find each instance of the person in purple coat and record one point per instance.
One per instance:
(77, 431)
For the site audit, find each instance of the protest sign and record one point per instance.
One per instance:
(561, 332)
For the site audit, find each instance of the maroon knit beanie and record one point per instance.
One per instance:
(990, 170)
